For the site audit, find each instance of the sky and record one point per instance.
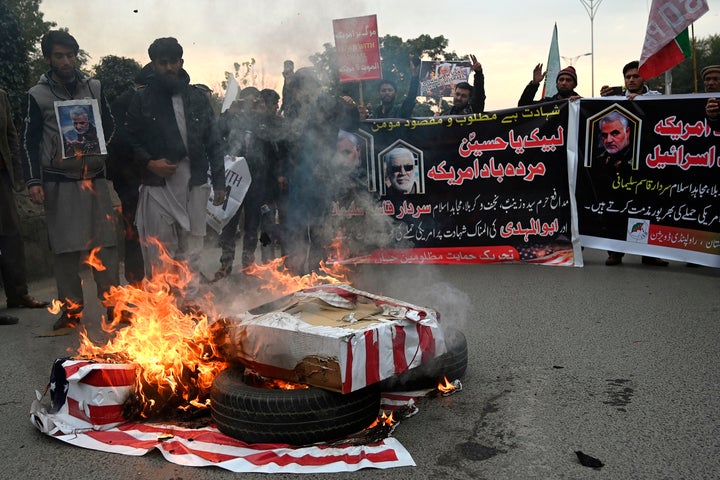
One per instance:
(509, 38)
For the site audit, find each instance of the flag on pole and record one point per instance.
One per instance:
(667, 42)
(552, 67)
(230, 94)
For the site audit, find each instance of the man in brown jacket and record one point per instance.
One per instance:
(12, 253)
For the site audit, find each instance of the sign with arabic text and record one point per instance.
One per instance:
(480, 188)
(357, 46)
(648, 178)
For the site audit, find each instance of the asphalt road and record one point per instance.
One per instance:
(622, 363)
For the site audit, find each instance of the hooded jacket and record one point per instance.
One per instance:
(42, 143)
(153, 132)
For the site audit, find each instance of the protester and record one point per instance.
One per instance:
(250, 135)
(74, 191)
(634, 84)
(387, 92)
(313, 121)
(615, 140)
(125, 176)
(469, 99)
(12, 250)
(175, 141)
(711, 82)
(566, 82)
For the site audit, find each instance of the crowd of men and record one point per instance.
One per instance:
(158, 142)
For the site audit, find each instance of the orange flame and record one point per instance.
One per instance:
(176, 351)
(56, 306)
(279, 280)
(384, 419)
(94, 261)
(445, 387)
(87, 185)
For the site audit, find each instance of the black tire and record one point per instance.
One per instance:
(452, 364)
(295, 417)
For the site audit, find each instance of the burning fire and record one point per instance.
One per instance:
(176, 352)
(94, 261)
(384, 419)
(448, 388)
(279, 280)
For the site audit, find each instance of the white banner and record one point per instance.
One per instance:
(237, 183)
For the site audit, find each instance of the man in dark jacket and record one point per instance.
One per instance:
(387, 91)
(566, 82)
(126, 175)
(469, 99)
(175, 140)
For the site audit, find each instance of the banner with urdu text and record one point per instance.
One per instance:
(480, 188)
(648, 177)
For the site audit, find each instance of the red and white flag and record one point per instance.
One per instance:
(666, 39)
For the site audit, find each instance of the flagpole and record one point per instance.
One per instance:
(591, 7)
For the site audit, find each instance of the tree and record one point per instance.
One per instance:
(13, 62)
(116, 74)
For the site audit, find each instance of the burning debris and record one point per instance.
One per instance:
(447, 388)
(167, 365)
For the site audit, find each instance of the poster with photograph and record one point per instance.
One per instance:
(438, 78)
(80, 126)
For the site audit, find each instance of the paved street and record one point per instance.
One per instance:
(622, 363)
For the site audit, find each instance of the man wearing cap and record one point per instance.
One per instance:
(175, 140)
(711, 82)
(566, 82)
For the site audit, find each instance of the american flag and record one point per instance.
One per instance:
(86, 413)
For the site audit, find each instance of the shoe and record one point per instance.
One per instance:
(613, 259)
(8, 320)
(67, 320)
(26, 301)
(222, 272)
(655, 262)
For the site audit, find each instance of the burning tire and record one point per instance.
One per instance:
(451, 364)
(296, 417)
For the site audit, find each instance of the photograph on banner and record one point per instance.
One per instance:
(476, 189)
(357, 48)
(648, 178)
(80, 124)
(438, 78)
(237, 183)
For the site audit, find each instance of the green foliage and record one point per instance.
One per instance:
(116, 74)
(13, 62)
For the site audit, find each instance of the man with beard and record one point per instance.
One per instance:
(387, 91)
(175, 140)
(469, 99)
(711, 82)
(73, 190)
(566, 82)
